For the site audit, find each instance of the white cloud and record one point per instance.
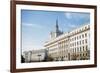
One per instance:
(72, 25)
(32, 25)
(68, 15)
(27, 24)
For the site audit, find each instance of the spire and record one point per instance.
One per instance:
(57, 27)
(56, 31)
(56, 22)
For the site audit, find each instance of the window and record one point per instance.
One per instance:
(77, 49)
(83, 41)
(86, 54)
(75, 38)
(85, 34)
(80, 49)
(73, 44)
(73, 50)
(80, 55)
(77, 42)
(80, 42)
(72, 39)
(83, 48)
(83, 54)
(86, 47)
(82, 35)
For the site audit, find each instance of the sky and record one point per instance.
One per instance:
(36, 25)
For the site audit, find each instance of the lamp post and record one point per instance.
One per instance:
(39, 57)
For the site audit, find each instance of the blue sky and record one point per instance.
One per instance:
(37, 25)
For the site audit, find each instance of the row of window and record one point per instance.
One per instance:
(78, 43)
(74, 50)
(80, 49)
(78, 56)
(66, 42)
(81, 42)
(79, 37)
(77, 31)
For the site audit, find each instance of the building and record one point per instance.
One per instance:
(73, 45)
(35, 55)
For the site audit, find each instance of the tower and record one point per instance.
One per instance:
(56, 31)
(56, 27)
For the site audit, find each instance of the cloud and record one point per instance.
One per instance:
(68, 15)
(37, 26)
(74, 15)
(72, 25)
(27, 24)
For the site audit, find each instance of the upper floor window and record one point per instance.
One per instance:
(82, 41)
(83, 48)
(85, 40)
(85, 34)
(77, 42)
(82, 35)
(86, 47)
(77, 37)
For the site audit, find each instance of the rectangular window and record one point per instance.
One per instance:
(85, 34)
(85, 40)
(75, 38)
(82, 41)
(83, 48)
(82, 35)
(77, 42)
(80, 49)
(86, 47)
(77, 49)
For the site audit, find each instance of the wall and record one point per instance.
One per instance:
(5, 36)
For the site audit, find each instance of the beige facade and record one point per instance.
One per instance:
(73, 45)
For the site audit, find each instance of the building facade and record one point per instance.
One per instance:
(73, 45)
(35, 55)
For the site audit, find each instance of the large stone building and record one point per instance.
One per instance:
(35, 55)
(73, 45)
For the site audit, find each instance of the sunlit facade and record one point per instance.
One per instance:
(73, 45)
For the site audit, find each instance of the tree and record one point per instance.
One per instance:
(22, 59)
